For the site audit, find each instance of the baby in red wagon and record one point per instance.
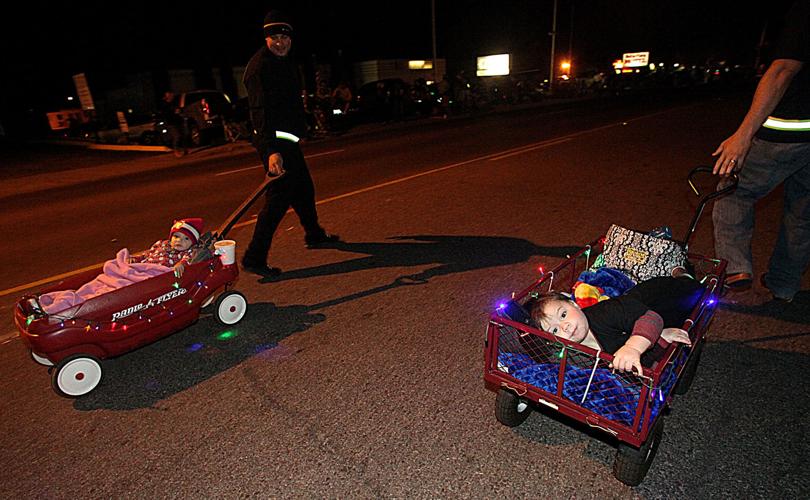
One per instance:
(178, 250)
(182, 247)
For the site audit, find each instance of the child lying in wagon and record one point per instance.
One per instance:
(645, 318)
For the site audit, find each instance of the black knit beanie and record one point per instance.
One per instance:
(276, 23)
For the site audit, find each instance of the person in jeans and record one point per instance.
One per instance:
(771, 147)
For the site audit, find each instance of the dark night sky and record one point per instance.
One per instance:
(48, 42)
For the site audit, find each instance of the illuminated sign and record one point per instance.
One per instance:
(83, 90)
(494, 65)
(635, 59)
(420, 64)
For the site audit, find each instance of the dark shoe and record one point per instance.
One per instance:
(262, 270)
(738, 282)
(775, 298)
(320, 240)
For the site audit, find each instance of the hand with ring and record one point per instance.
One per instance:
(731, 154)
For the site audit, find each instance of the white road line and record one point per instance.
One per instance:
(325, 153)
(532, 148)
(492, 156)
(440, 169)
(260, 165)
(238, 170)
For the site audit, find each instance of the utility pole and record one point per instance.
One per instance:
(571, 43)
(553, 41)
(433, 22)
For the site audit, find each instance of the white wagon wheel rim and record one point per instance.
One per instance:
(232, 309)
(79, 376)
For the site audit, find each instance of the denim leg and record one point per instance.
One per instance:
(733, 215)
(792, 252)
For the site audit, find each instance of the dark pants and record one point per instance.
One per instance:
(294, 190)
(672, 298)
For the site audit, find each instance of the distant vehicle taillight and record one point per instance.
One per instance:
(206, 109)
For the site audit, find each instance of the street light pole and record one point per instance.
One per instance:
(571, 43)
(553, 41)
(433, 22)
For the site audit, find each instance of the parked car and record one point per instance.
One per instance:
(143, 133)
(204, 113)
(140, 129)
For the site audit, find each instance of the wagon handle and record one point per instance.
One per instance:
(716, 194)
(226, 226)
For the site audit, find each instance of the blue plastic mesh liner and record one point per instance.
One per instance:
(609, 395)
(522, 367)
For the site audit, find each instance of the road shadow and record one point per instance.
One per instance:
(797, 311)
(449, 254)
(745, 418)
(145, 376)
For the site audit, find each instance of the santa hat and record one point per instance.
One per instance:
(190, 227)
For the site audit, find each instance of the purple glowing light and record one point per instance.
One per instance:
(195, 347)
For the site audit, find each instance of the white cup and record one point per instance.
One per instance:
(226, 249)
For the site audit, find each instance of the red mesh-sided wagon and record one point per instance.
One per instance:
(530, 368)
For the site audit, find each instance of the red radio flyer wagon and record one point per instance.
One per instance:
(528, 367)
(72, 342)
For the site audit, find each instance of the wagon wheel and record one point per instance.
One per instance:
(510, 409)
(631, 464)
(688, 373)
(41, 359)
(76, 376)
(230, 308)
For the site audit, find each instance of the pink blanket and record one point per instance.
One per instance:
(118, 273)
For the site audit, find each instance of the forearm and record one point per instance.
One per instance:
(769, 92)
(648, 327)
(638, 343)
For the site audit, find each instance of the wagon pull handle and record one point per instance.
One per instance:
(716, 194)
(226, 226)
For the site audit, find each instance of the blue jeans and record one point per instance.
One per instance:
(767, 165)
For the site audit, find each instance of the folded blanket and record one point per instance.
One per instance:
(117, 273)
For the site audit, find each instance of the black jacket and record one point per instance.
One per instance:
(274, 98)
(612, 321)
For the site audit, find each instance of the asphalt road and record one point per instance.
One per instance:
(357, 373)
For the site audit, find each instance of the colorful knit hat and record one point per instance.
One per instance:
(190, 227)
